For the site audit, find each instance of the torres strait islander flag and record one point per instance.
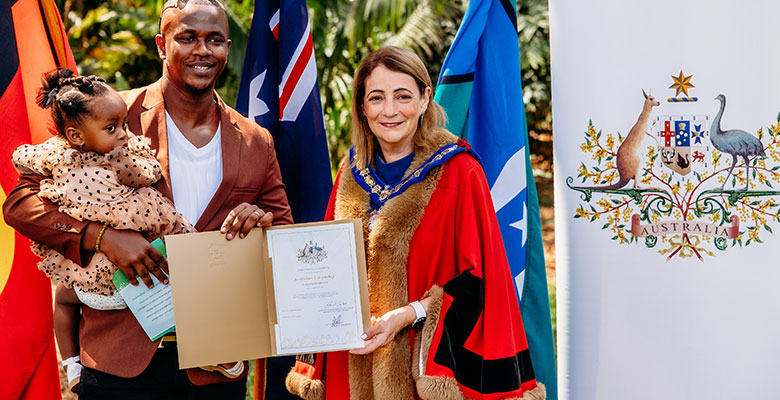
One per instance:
(480, 88)
(28, 360)
(279, 91)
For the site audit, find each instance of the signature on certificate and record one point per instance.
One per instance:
(336, 320)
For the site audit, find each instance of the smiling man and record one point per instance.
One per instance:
(193, 44)
(219, 168)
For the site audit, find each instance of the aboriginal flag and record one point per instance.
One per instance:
(33, 42)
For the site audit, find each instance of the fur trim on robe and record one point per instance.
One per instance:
(386, 373)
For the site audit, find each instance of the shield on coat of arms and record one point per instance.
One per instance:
(684, 142)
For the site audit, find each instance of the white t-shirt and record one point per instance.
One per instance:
(196, 173)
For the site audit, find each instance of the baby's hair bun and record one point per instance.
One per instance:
(51, 83)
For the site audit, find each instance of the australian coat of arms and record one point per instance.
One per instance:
(311, 253)
(681, 184)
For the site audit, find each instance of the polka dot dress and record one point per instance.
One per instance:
(115, 188)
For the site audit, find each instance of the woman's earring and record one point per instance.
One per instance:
(419, 123)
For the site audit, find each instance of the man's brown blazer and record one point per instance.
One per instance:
(113, 341)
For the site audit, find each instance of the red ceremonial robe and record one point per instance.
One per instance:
(438, 238)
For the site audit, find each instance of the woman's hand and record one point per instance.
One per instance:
(243, 218)
(384, 328)
(132, 254)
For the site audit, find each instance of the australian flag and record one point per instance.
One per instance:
(480, 88)
(279, 91)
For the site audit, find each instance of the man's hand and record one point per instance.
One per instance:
(132, 254)
(243, 218)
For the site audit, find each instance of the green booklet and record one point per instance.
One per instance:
(153, 308)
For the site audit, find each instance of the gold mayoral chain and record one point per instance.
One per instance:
(386, 192)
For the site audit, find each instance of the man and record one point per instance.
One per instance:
(220, 170)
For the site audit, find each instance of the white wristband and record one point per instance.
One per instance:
(419, 310)
(72, 360)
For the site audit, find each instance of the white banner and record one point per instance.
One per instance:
(668, 271)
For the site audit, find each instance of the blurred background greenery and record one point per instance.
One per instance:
(115, 40)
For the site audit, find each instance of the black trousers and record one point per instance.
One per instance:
(162, 380)
(276, 370)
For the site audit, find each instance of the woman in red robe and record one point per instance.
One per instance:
(446, 323)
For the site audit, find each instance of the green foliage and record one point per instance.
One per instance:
(350, 30)
(551, 290)
(250, 381)
(239, 20)
(345, 32)
(534, 37)
(115, 40)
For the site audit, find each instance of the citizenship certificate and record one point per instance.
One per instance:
(317, 274)
(280, 290)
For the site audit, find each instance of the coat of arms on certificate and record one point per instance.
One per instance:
(312, 253)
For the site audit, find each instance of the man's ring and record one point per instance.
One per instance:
(256, 212)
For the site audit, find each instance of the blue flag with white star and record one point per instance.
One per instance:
(480, 88)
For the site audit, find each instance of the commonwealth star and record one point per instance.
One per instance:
(681, 83)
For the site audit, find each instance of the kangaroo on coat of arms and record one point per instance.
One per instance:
(629, 157)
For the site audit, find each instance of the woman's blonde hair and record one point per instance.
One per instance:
(399, 60)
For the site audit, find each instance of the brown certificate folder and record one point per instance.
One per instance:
(223, 294)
